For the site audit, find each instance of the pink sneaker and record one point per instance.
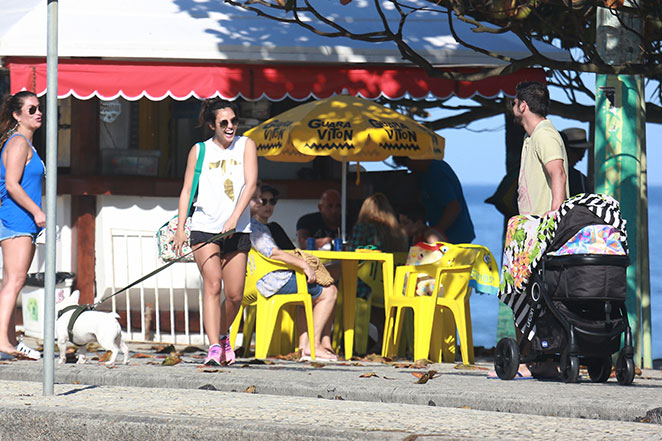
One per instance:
(213, 356)
(228, 354)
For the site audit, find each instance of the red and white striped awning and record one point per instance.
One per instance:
(132, 80)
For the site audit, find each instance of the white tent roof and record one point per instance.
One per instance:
(215, 31)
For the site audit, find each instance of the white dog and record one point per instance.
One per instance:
(89, 326)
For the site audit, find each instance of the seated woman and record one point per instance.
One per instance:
(377, 225)
(268, 205)
(284, 282)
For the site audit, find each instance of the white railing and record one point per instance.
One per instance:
(174, 294)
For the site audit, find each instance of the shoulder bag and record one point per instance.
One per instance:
(165, 236)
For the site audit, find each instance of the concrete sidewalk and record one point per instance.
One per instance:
(291, 400)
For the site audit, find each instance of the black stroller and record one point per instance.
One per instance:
(577, 309)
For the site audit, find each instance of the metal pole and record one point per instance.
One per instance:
(51, 194)
(343, 201)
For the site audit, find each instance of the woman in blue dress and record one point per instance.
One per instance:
(21, 181)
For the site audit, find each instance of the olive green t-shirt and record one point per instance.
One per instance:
(534, 192)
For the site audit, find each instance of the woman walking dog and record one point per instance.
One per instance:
(21, 181)
(227, 183)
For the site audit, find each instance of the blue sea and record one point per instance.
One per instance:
(488, 224)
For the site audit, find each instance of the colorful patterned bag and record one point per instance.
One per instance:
(165, 236)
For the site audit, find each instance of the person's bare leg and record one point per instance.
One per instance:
(17, 255)
(302, 326)
(234, 278)
(209, 263)
(322, 310)
(326, 340)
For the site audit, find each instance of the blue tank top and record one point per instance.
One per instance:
(13, 216)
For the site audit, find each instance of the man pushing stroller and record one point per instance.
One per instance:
(564, 265)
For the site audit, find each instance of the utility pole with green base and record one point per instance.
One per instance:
(620, 160)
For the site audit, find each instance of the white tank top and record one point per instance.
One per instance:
(220, 186)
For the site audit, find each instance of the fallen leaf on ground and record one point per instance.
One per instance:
(141, 355)
(197, 356)
(164, 349)
(316, 364)
(172, 360)
(94, 347)
(423, 378)
(190, 349)
(105, 356)
(374, 358)
(465, 407)
(368, 375)
(420, 364)
(207, 370)
(250, 390)
(292, 356)
(471, 367)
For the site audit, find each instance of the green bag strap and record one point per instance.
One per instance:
(196, 175)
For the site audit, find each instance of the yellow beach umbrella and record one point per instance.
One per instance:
(346, 128)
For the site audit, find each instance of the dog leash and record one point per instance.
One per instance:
(79, 309)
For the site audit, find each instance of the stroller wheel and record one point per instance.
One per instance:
(506, 358)
(599, 369)
(569, 367)
(624, 370)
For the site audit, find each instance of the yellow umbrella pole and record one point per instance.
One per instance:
(343, 201)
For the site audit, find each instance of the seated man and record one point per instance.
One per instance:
(324, 225)
(284, 282)
(441, 195)
(412, 219)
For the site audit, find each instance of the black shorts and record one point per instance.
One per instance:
(237, 242)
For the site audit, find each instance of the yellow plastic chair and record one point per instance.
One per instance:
(270, 310)
(484, 270)
(370, 273)
(432, 321)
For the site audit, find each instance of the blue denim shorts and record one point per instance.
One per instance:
(290, 287)
(6, 233)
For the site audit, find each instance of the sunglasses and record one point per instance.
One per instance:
(271, 201)
(33, 109)
(224, 122)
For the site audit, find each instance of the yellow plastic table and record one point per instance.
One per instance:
(349, 261)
